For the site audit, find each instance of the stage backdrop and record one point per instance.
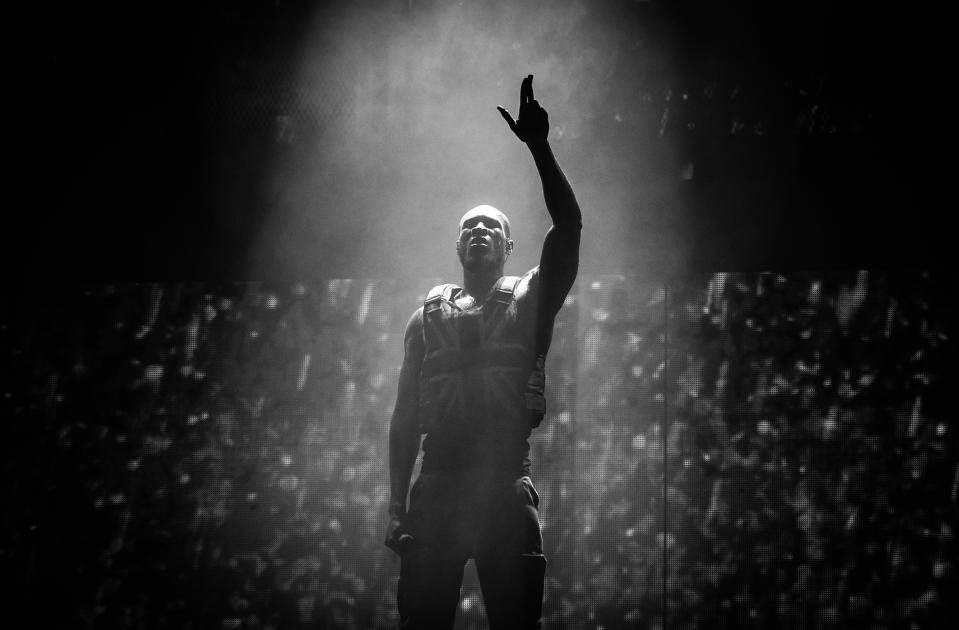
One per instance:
(755, 450)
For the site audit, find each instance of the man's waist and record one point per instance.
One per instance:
(504, 460)
(478, 474)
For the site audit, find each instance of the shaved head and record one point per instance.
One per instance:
(484, 243)
(488, 211)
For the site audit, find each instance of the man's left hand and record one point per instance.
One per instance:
(533, 123)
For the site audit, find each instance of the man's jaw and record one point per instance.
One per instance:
(480, 258)
(479, 249)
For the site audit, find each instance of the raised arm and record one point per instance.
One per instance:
(560, 258)
(405, 431)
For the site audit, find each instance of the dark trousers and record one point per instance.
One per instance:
(492, 519)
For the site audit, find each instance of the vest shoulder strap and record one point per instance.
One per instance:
(503, 291)
(439, 294)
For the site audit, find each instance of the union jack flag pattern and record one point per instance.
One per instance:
(477, 360)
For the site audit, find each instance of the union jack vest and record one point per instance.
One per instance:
(480, 362)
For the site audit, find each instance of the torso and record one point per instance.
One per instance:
(478, 359)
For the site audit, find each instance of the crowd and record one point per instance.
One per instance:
(739, 450)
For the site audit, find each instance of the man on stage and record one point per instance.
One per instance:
(471, 381)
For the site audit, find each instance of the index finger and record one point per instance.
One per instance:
(526, 90)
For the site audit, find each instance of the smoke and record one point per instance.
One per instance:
(393, 133)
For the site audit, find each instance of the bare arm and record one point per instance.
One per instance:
(559, 261)
(404, 425)
(560, 258)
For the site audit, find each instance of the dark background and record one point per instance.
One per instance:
(153, 133)
(186, 146)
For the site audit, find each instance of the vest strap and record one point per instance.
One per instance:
(503, 291)
(437, 295)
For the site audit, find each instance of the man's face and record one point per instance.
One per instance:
(484, 243)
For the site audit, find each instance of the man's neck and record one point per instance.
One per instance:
(479, 284)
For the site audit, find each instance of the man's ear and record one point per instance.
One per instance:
(459, 246)
(509, 246)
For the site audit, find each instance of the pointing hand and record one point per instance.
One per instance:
(533, 122)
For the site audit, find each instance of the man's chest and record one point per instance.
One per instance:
(479, 326)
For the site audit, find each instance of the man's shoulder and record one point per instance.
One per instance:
(446, 290)
(415, 323)
(528, 284)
